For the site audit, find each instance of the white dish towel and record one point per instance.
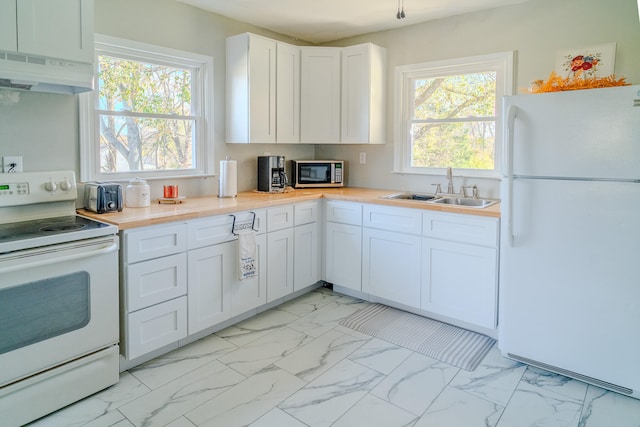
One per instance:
(248, 266)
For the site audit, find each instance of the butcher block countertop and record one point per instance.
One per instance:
(199, 207)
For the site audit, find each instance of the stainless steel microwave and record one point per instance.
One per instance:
(317, 173)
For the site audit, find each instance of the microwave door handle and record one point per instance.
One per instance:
(56, 260)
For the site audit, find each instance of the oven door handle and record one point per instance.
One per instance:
(55, 260)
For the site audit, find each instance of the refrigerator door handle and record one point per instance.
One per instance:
(510, 125)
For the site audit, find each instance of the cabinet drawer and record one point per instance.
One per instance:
(461, 228)
(305, 213)
(155, 242)
(279, 218)
(154, 281)
(154, 327)
(218, 229)
(344, 212)
(392, 219)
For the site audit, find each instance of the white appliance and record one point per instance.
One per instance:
(58, 297)
(41, 74)
(570, 238)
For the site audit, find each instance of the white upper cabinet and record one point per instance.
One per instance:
(8, 28)
(251, 89)
(363, 94)
(320, 95)
(53, 28)
(263, 90)
(287, 93)
(280, 93)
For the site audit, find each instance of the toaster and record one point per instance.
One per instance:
(103, 197)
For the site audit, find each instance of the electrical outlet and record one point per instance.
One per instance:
(363, 158)
(12, 164)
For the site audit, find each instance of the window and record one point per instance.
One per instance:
(148, 114)
(448, 114)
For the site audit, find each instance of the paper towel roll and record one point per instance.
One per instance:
(228, 179)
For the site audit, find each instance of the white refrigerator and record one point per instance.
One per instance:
(570, 235)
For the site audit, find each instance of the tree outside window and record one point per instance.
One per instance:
(448, 114)
(147, 116)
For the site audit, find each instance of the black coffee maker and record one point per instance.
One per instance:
(271, 174)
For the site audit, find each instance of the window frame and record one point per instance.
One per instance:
(202, 109)
(502, 63)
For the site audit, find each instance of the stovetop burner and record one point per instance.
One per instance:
(62, 228)
(47, 231)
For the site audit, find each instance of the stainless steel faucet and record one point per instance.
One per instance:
(450, 179)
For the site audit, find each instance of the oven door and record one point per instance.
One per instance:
(57, 303)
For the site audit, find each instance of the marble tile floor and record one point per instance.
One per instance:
(294, 366)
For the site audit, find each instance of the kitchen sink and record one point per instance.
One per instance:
(431, 198)
(463, 201)
(410, 196)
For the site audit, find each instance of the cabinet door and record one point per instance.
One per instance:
(210, 274)
(56, 28)
(305, 212)
(262, 95)
(154, 327)
(343, 212)
(391, 266)
(306, 256)
(279, 217)
(287, 93)
(363, 94)
(250, 293)
(251, 89)
(460, 282)
(8, 31)
(279, 264)
(320, 95)
(154, 281)
(343, 255)
(391, 218)
(153, 242)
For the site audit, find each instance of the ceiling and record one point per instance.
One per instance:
(319, 21)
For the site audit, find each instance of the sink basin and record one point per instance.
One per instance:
(410, 196)
(459, 201)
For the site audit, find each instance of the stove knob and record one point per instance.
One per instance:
(50, 186)
(66, 185)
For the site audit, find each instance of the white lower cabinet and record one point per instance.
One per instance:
(183, 278)
(306, 256)
(154, 327)
(250, 293)
(209, 285)
(306, 241)
(460, 264)
(460, 281)
(279, 264)
(153, 288)
(391, 266)
(343, 255)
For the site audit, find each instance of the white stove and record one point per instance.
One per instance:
(58, 297)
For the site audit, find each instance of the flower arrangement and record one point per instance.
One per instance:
(556, 83)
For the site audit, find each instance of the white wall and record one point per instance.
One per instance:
(43, 128)
(536, 30)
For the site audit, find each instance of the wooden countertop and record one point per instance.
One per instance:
(199, 207)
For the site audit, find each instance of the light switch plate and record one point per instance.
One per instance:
(11, 164)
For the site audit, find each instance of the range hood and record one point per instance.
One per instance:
(41, 74)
